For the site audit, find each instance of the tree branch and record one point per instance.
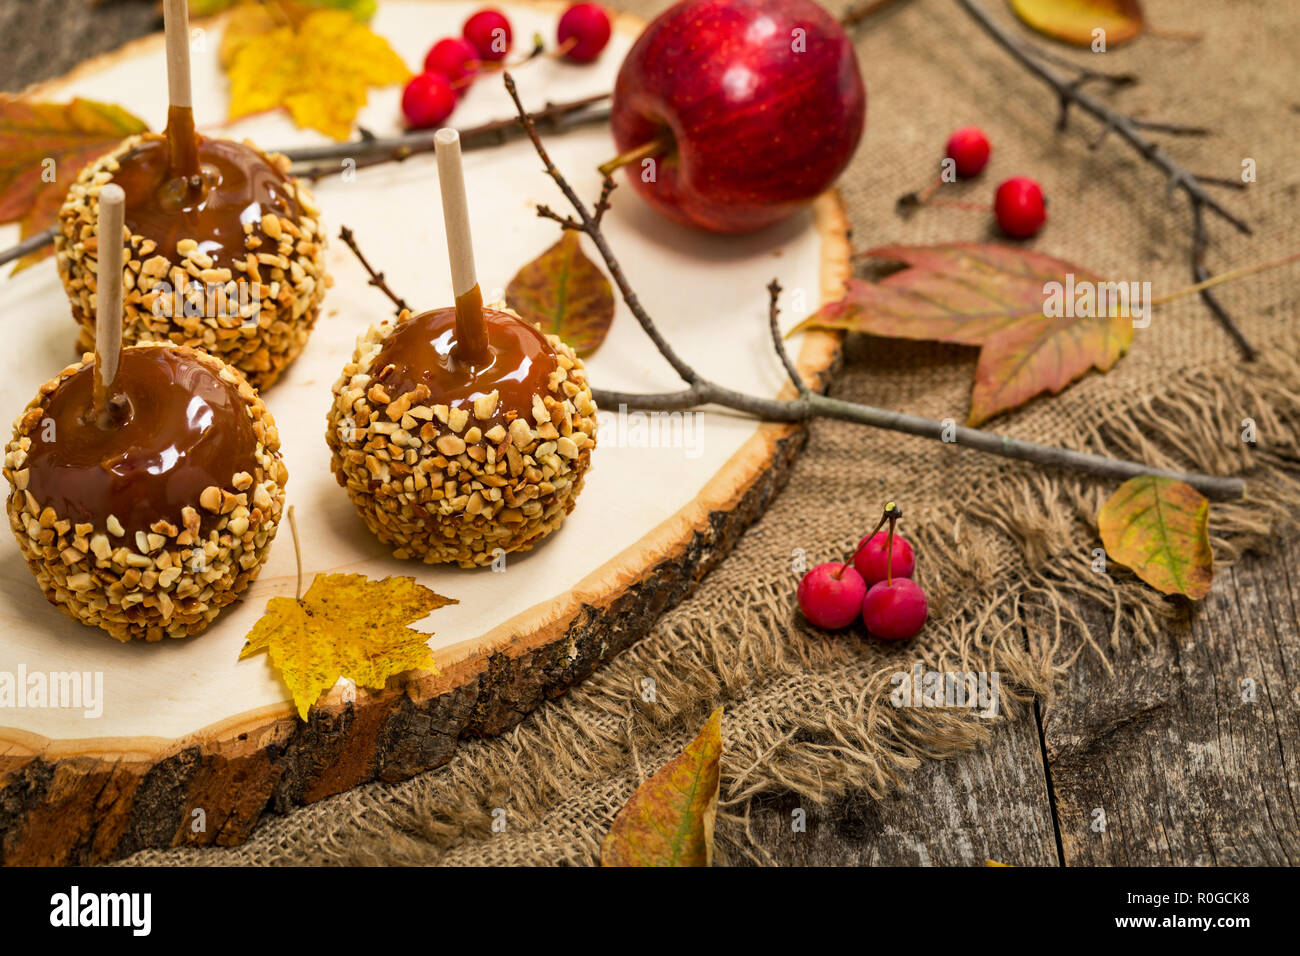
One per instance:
(809, 405)
(1130, 129)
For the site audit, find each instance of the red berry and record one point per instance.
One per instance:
(1020, 207)
(969, 149)
(588, 25)
(830, 595)
(428, 100)
(870, 559)
(453, 57)
(895, 610)
(488, 31)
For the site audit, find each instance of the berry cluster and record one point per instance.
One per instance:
(1018, 204)
(453, 62)
(877, 585)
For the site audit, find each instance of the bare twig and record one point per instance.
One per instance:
(778, 340)
(1130, 129)
(592, 229)
(314, 162)
(376, 278)
(810, 405)
(1200, 273)
(30, 244)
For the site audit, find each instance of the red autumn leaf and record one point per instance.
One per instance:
(43, 147)
(996, 297)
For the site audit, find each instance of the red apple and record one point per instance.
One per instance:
(759, 105)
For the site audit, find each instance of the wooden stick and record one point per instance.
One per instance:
(182, 139)
(176, 19)
(471, 329)
(108, 302)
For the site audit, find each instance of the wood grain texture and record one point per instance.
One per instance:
(1185, 770)
(991, 803)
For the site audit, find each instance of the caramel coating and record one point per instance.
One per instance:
(173, 579)
(460, 475)
(239, 273)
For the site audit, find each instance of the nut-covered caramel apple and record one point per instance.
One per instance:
(448, 461)
(225, 249)
(146, 482)
(461, 433)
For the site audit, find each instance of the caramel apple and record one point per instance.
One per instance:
(225, 249)
(146, 482)
(462, 433)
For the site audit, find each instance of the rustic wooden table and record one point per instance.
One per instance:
(1161, 761)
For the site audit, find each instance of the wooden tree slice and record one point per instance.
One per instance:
(186, 727)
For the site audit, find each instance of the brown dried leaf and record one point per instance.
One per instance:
(1073, 21)
(1159, 528)
(566, 294)
(669, 820)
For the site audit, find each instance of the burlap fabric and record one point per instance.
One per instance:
(1004, 549)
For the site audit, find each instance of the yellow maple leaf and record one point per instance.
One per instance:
(318, 65)
(346, 625)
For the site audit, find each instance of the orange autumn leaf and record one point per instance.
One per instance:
(992, 296)
(669, 820)
(1073, 21)
(43, 146)
(1159, 528)
(318, 64)
(346, 625)
(563, 292)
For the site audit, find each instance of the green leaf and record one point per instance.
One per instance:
(669, 820)
(563, 292)
(1159, 527)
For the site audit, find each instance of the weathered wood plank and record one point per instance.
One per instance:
(1184, 769)
(991, 803)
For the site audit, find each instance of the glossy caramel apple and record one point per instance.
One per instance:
(229, 257)
(148, 524)
(449, 460)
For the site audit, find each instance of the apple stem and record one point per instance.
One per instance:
(889, 554)
(660, 144)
